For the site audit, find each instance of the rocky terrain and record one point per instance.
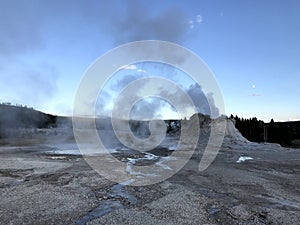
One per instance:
(44, 180)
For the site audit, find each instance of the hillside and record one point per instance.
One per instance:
(15, 117)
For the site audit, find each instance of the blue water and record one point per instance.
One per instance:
(107, 206)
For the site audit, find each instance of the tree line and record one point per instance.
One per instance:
(275, 132)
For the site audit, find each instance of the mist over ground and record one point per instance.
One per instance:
(45, 178)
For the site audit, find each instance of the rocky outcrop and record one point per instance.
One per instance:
(221, 126)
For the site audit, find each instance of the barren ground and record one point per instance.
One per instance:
(38, 187)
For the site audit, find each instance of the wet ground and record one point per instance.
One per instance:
(248, 183)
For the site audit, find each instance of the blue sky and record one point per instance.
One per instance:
(252, 47)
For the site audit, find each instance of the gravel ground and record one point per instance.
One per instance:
(41, 188)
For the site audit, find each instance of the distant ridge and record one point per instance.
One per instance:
(17, 116)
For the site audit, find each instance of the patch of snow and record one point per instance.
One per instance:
(57, 157)
(161, 164)
(65, 152)
(130, 170)
(163, 160)
(243, 159)
(173, 148)
(148, 156)
(85, 151)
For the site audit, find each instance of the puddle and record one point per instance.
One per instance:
(118, 192)
(210, 193)
(288, 203)
(12, 183)
(160, 163)
(104, 208)
(110, 205)
(213, 211)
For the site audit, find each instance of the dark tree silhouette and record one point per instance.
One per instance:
(276, 132)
